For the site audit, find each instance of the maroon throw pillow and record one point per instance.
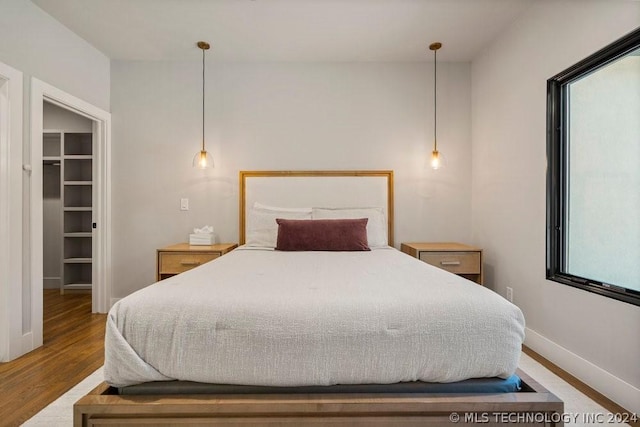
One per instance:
(322, 234)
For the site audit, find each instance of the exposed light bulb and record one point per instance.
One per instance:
(203, 160)
(435, 160)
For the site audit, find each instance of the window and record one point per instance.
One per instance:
(593, 176)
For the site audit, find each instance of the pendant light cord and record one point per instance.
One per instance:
(435, 100)
(203, 99)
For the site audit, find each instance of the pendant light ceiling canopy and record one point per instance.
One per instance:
(203, 159)
(436, 158)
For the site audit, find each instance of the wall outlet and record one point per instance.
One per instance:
(510, 294)
(184, 204)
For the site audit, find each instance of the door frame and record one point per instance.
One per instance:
(101, 287)
(11, 330)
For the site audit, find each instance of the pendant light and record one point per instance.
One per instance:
(436, 159)
(203, 159)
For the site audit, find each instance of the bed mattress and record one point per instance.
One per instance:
(272, 318)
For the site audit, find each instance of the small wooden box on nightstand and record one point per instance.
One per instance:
(176, 259)
(457, 258)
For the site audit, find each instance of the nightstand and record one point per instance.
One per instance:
(457, 258)
(176, 259)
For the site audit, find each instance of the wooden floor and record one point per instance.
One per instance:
(73, 348)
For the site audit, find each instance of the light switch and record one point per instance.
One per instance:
(184, 204)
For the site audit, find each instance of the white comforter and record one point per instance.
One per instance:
(275, 318)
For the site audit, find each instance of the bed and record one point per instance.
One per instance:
(319, 325)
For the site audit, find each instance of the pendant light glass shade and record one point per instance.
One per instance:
(436, 157)
(436, 161)
(203, 159)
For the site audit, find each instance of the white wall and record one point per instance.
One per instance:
(278, 116)
(57, 118)
(595, 338)
(39, 46)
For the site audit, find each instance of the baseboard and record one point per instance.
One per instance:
(616, 389)
(51, 282)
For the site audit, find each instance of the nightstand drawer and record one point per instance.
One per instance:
(176, 259)
(455, 262)
(178, 262)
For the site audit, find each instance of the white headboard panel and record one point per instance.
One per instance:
(337, 189)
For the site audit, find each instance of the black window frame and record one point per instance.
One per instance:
(557, 145)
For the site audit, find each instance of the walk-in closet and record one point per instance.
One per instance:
(67, 153)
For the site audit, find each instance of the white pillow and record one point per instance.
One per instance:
(279, 209)
(262, 228)
(376, 226)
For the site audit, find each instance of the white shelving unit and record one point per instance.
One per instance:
(74, 152)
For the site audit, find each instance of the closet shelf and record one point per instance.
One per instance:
(77, 260)
(50, 158)
(78, 234)
(78, 156)
(78, 182)
(77, 209)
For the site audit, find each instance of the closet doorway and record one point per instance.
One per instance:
(67, 194)
(94, 263)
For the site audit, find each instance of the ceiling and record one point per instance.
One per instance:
(287, 30)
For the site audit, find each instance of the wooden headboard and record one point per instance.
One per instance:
(361, 188)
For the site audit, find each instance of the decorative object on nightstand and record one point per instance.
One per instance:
(176, 259)
(202, 236)
(457, 258)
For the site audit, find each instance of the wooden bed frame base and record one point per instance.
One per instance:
(534, 406)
